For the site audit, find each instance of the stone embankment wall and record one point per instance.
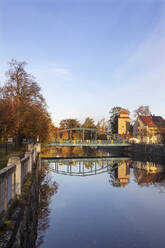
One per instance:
(148, 152)
(25, 233)
(21, 231)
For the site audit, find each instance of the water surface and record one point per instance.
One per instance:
(102, 202)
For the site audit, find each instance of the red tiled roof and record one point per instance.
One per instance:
(159, 121)
(147, 120)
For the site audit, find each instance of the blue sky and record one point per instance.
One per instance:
(88, 55)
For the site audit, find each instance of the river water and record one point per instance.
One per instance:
(101, 202)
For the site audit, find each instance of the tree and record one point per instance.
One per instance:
(102, 125)
(28, 115)
(69, 123)
(36, 123)
(113, 121)
(65, 135)
(53, 132)
(89, 123)
(142, 110)
(7, 122)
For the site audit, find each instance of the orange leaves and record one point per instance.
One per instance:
(22, 106)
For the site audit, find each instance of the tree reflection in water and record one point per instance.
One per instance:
(71, 152)
(123, 172)
(47, 189)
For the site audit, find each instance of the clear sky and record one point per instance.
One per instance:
(88, 55)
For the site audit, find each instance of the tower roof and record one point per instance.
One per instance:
(124, 112)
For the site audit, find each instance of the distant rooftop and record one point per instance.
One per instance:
(153, 121)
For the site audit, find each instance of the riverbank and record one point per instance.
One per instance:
(20, 225)
(19, 192)
(148, 152)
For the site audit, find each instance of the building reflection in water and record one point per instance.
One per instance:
(124, 173)
(118, 169)
(147, 173)
(120, 174)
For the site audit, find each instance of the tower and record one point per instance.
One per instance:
(123, 123)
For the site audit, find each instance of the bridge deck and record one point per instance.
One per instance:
(90, 143)
(85, 159)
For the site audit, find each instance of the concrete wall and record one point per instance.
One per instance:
(24, 218)
(26, 233)
(23, 230)
(13, 176)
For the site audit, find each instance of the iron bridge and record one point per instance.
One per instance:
(93, 141)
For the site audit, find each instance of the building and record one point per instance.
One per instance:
(123, 123)
(149, 129)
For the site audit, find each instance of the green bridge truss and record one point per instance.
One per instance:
(111, 140)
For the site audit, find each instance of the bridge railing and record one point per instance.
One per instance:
(97, 142)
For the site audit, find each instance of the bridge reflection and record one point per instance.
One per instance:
(84, 166)
(144, 173)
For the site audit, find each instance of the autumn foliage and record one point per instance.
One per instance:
(23, 110)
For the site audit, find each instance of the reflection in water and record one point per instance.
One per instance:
(120, 174)
(72, 152)
(148, 173)
(47, 189)
(123, 173)
(118, 168)
(88, 166)
(85, 203)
